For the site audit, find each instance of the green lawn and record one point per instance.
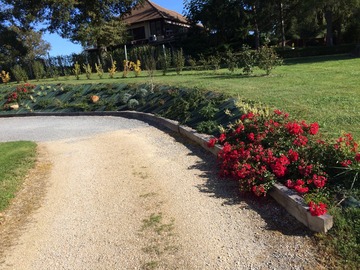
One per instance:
(16, 158)
(323, 89)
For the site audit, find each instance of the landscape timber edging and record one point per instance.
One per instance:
(289, 199)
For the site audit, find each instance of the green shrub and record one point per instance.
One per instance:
(112, 69)
(179, 60)
(88, 70)
(208, 127)
(165, 61)
(247, 59)
(192, 63)
(231, 60)
(268, 59)
(203, 62)
(39, 71)
(99, 70)
(77, 70)
(19, 74)
(215, 61)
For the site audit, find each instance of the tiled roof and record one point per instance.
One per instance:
(150, 11)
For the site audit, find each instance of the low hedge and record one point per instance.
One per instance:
(316, 51)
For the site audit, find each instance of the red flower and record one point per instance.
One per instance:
(251, 137)
(294, 128)
(346, 163)
(249, 115)
(222, 137)
(357, 157)
(314, 128)
(211, 143)
(304, 124)
(279, 168)
(293, 155)
(319, 180)
(239, 129)
(301, 189)
(289, 183)
(317, 209)
(355, 147)
(278, 112)
(226, 148)
(300, 141)
(305, 170)
(259, 190)
(300, 182)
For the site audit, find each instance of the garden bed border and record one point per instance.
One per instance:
(289, 199)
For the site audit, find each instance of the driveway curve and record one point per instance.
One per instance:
(114, 193)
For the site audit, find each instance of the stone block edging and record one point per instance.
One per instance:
(289, 199)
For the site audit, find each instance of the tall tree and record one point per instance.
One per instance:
(11, 47)
(226, 20)
(32, 40)
(78, 20)
(336, 12)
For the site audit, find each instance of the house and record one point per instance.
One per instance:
(151, 23)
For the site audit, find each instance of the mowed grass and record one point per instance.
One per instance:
(16, 158)
(323, 89)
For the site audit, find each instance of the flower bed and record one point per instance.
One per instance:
(259, 147)
(263, 148)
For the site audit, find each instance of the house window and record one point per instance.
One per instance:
(138, 33)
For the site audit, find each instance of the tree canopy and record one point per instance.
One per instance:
(277, 20)
(81, 21)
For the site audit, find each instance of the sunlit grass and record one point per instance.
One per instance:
(322, 89)
(16, 158)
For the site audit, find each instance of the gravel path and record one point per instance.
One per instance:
(120, 194)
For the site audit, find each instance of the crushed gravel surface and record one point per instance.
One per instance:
(120, 194)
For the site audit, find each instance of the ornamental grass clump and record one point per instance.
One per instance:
(5, 76)
(261, 149)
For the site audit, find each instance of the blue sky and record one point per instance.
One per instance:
(60, 46)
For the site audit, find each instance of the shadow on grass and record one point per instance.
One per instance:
(317, 59)
(275, 216)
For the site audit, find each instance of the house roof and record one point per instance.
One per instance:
(150, 11)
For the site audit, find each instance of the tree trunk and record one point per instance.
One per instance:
(256, 31)
(282, 22)
(329, 27)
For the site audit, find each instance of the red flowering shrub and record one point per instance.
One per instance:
(260, 150)
(21, 92)
(317, 209)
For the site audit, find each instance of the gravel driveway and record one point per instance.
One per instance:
(113, 193)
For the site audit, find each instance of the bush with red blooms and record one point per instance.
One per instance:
(21, 92)
(260, 150)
